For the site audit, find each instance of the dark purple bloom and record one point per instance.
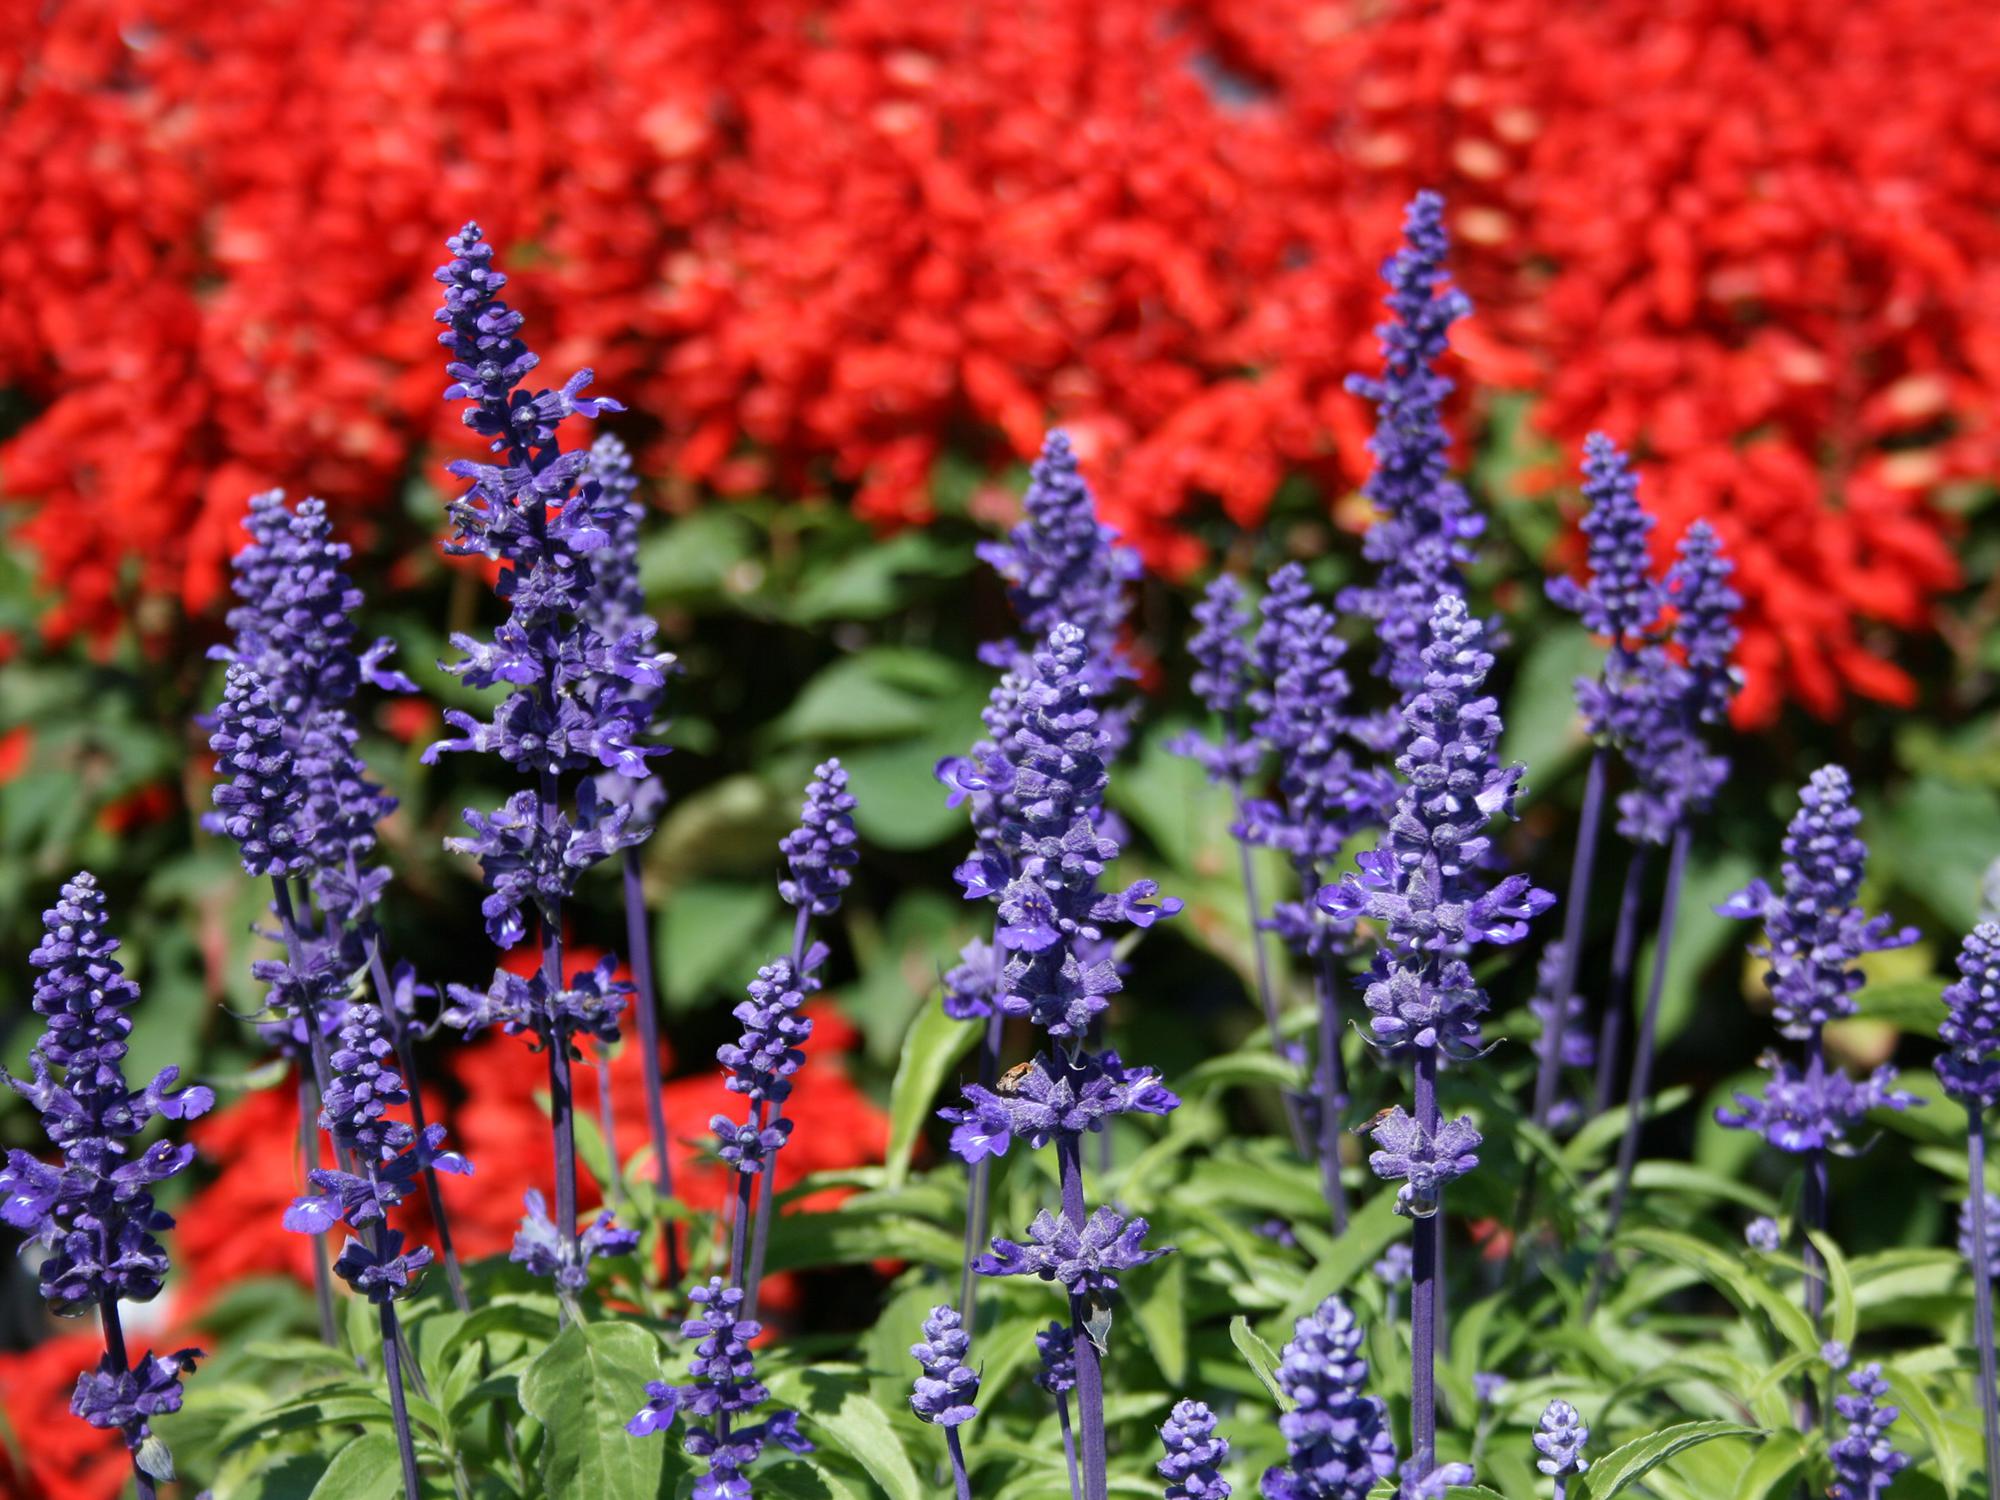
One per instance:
(945, 1392)
(529, 858)
(763, 1059)
(1560, 1439)
(1195, 1454)
(1434, 1485)
(723, 1384)
(1063, 566)
(1086, 1262)
(1337, 1437)
(1968, 1068)
(1082, 1094)
(1579, 1047)
(379, 1269)
(1815, 933)
(1424, 534)
(1763, 1234)
(1622, 600)
(1055, 1346)
(1221, 650)
(1423, 1162)
(1864, 1465)
(820, 852)
(1812, 1110)
(1965, 1247)
(1393, 1269)
(969, 984)
(262, 803)
(591, 1005)
(544, 1251)
(127, 1400)
(746, 1146)
(1705, 620)
(1428, 882)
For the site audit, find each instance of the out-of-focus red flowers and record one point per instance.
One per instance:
(822, 241)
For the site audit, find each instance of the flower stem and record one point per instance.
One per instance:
(1332, 1069)
(309, 1157)
(1069, 1444)
(1618, 995)
(1576, 905)
(639, 952)
(114, 1346)
(977, 1180)
(392, 1363)
(1267, 996)
(288, 923)
(562, 1098)
(1089, 1370)
(1642, 1064)
(1423, 1290)
(768, 1191)
(399, 1036)
(960, 1480)
(607, 1122)
(1982, 1286)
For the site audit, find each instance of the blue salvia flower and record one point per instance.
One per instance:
(1762, 1234)
(262, 803)
(948, 1387)
(1427, 883)
(93, 1217)
(820, 853)
(1220, 647)
(1560, 1439)
(1804, 1110)
(1864, 1464)
(1578, 1046)
(1085, 1262)
(589, 1005)
(1965, 1246)
(1336, 1436)
(1055, 1349)
(1423, 535)
(1435, 1483)
(1622, 600)
(1195, 1454)
(1815, 933)
(581, 689)
(1705, 626)
(1393, 1269)
(1046, 1098)
(388, 1156)
(723, 1387)
(542, 1250)
(1968, 1067)
(616, 607)
(1422, 1159)
(1064, 566)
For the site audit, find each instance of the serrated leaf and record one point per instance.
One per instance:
(1262, 1359)
(583, 1389)
(831, 1400)
(1625, 1466)
(934, 1045)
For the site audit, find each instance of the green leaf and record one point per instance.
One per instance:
(707, 934)
(695, 556)
(1914, 1006)
(1159, 1303)
(1907, 1390)
(877, 578)
(847, 1236)
(1626, 1466)
(934, 1045)
(368, 1468)
(1940, 837)
(830, 1398)
(1840, 1282)
(583, 1388)
(1772, 1468)
(1371, 1229)
(1261, 1358)
(1543, 730)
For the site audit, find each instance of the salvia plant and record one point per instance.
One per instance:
(1242, 1287)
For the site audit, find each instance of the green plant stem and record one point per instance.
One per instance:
(1982, 1287)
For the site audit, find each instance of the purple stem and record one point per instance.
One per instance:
(1642, 1062)
(1813, 1213)
(1575, 906)
(309, 1155)
(1332, 1067)
(114, 1346)
(1089, 1371)
(399, 1036)
(315, 1039)
(1982, 1285)
(1267, 997)
(562, 1103)
(392, 1363)
(959, 1478)
(976, 1178)
(768, 1196)
(739, 1225)
(1618, 997)
(607, 1121)
(639, 950)
(1069, 1445)
(1423, 1290)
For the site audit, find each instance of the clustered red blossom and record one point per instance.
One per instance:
(821, 242)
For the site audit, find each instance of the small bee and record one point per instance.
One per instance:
(1367, 1127)
(1011, 1080)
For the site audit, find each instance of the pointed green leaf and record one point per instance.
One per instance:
(583, 1389)
(1626, 1466)
(832, 1401)
(1261, 1358)
(934, 1044)
(368, 1468)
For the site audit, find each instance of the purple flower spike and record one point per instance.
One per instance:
(1221, 651)
(1086, 1263)
(723, 1386)
(820, 852)
(1195, 1454)
(1337, 1437)
(1622, 599)
(94, 1214)
(543, 1251)
(1436, 1484)
(1560, 1439)
(948, 1387)
(1813, 1110)
(1968, 1067)
(1086, 1092)
(1864, 1465)
(1424, 534)
(1055, 1346)
(262, 804)
(1705, 625)
(1428, 882)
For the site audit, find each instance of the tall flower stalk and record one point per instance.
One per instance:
(945, 1391)
(617, 603)
(1059, 975)
(819, 857)
(1815, 934)
(94, 1216)
(1061, 565)
(578, 699)
(1429, 887)
(389, 1157)
(1337, 1440)
(1970, 1072)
